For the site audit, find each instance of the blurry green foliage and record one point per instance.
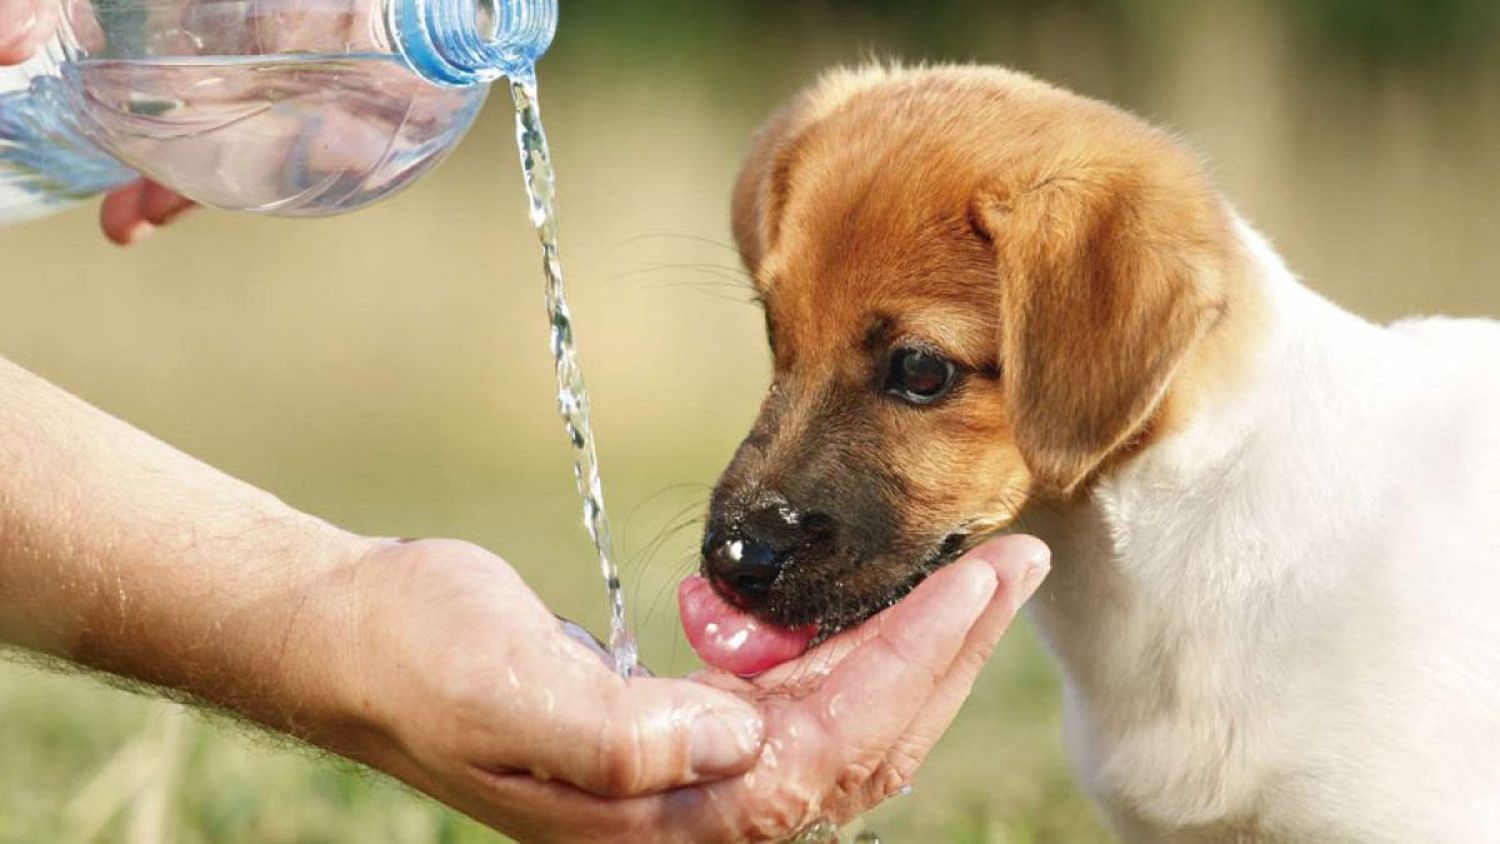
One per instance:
(1392, 31)
(1382, 31)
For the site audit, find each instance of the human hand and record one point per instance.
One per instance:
(128, 213)
(432, 661)
(850, 722)
(461, 680)
(487, 707)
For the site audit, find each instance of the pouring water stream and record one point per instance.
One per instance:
(572, 394)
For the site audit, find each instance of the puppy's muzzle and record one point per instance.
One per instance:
(744, 556)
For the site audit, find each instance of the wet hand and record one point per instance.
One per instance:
(458, 680)
(128, 213)
(846, 725)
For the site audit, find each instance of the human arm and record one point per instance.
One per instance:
(433, 661)
(123, 554)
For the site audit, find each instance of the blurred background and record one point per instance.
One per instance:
(389, 370)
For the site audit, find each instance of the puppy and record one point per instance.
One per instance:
(1276, 526)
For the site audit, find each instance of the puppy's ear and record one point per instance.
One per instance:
(761, 188)
(760, 194)
(1107, 279)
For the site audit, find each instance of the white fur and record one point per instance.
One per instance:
(1282, 623)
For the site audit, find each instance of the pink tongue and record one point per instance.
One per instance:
(732, 640)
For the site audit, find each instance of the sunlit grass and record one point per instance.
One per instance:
(389, 370)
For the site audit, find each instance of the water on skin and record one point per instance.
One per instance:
(572, 394)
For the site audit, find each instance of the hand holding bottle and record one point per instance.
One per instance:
(128, 213)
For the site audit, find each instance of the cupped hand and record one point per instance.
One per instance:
(484, 704)
(849, 724)
(130, 212)
(464, 678)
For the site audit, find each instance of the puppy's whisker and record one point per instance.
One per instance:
(663, 536)
(710, 292)
(706, 278)
(720, 274)
(730, 270)
(652, 498)
(642, 559)
(650, 236)
(680, 569)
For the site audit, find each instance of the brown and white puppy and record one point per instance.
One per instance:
(1274, 524)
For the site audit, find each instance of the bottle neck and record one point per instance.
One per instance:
(468, 42)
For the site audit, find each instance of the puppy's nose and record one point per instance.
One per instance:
(744, 567)
(746, 560)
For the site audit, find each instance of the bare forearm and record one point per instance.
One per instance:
(126, 555)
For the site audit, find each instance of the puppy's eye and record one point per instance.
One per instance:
(919, 377)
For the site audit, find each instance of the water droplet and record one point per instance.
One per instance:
(819, 832)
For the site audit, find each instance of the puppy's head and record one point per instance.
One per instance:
(978, 291)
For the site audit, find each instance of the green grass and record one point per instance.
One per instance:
(389, 370)
(995, 778)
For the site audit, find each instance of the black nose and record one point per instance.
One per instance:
(746, 559)
(744, 567)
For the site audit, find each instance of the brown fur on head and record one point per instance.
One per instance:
(1066, 258)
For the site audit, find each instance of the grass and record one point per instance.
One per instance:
(389, 371)
(992, 779)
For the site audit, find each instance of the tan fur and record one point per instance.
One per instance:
(1238, 606)
(1106, 255)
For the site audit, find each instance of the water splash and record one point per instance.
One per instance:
(572, 393)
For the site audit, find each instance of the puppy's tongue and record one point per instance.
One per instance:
(731, 639)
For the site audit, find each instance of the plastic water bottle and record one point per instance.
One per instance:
(290, 107)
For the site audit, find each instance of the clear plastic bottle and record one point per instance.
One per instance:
(290, 107)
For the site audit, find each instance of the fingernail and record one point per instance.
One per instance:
(724, 742)
(1023, 567)
(1038, 565)
(138, 232)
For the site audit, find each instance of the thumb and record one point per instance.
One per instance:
(652, 734)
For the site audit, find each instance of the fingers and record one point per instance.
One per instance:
(838, 750)
(818, 662)
(1021, 564)
(878, 689)
(136, 210)
(826, 745)
(531, 810)
(1001, 552)
(25, 25)
(614, 738)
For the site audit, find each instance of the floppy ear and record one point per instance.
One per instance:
(761, 188)
(764, 182)
(1107, 280)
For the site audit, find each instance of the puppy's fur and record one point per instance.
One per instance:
(1274, 593)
